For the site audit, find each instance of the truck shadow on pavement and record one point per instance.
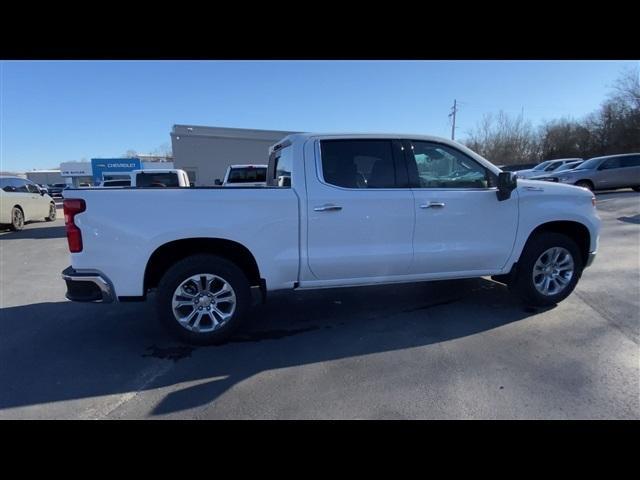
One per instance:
(51, 352)
(34, 233)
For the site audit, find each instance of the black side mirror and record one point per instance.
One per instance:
(507, 182)
(42, 192)
(217, 182)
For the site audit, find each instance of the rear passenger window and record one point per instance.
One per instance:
(358, 163)
(630, 161)
(611, 163)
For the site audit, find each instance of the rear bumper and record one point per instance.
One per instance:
(88, 286)
(590, 259)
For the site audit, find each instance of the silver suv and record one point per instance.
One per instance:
(602, 173)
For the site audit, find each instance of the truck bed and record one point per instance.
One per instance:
(134, 222)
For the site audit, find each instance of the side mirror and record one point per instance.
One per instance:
(217, 182)
(42, 192)
(507, 182)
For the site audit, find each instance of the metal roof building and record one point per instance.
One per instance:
(206, 152)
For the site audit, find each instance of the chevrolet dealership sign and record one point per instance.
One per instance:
(100, 166)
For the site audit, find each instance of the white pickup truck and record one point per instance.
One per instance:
(337, 211)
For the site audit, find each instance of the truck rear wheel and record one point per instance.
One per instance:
(203, 299)
(548, 270)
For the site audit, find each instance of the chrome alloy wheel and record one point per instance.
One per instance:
(52, 212)
(203, 303)
(553, 271)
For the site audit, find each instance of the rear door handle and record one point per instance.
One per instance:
(432, 205)
(327, 207)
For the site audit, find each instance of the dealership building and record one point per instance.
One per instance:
(203, 152)
(206, 152)
(99, 169)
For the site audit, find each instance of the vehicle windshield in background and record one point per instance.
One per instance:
(247, 175)
(541, 166)
(157, 180)
(589, 164)
(568, 166)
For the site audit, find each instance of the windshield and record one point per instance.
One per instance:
(589, 164)
(247, 175)
(568, 166)
(541, 165)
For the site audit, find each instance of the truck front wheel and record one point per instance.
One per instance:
(548, 269)
(203, 299)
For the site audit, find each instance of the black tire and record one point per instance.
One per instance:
(585, 184)
(202, 264)
(636, 189)
(52, 213)
(17, 219)
(523, 284)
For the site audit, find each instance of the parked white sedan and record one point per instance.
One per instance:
(21, 200)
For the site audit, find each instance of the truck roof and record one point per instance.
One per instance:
(304, 136)
(156, 170)
(247, 165)
(297, 137)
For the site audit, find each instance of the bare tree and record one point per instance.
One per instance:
(505, 140)
(626, 89)
(163, 150)
(613, 128)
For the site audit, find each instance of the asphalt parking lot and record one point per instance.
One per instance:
(457, 349)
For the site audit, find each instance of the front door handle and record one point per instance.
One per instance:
(432, 205)
(327, 207)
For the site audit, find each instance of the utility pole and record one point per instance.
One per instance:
(454, 109)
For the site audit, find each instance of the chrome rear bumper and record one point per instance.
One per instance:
(88, 286)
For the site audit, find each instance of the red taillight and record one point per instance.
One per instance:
(73, 206)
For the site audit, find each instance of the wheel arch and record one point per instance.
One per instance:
(578, 232)
(586, 180)
(171, 252)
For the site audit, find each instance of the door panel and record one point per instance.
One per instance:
(460, 224)
(25, 199)
(359, 225)
(608, 174)
(40, 206)
(471, 231)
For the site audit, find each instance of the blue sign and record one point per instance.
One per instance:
(102, 166)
